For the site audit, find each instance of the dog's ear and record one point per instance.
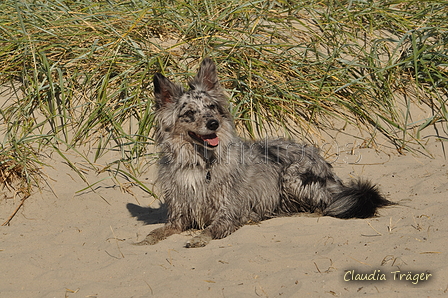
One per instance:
(165, 91)
(207, 78)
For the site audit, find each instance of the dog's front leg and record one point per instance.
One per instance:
(200, 240)
(220, 228)
(159, 234)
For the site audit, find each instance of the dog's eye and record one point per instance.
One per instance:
(190, 113)
(212, 106)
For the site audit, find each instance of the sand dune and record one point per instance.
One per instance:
(68, 244)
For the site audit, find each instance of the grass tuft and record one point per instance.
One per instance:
(81, 71)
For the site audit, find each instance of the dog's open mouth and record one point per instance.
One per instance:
(210, 140)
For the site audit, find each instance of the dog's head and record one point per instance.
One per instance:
(199, 113)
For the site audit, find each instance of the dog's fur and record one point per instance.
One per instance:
(214, 181)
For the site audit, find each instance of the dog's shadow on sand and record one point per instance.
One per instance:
(148, 215)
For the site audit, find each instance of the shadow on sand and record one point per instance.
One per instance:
(147, 214)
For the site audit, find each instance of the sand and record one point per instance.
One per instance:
(69, 243)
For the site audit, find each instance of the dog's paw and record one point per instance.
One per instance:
(149, 240)
(198, 241)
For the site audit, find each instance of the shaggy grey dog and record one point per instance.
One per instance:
(214, 181)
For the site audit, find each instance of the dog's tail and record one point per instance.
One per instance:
(360, 199)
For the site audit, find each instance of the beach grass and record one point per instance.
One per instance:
(79, 73)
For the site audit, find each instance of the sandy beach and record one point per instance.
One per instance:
(350, 77)
(69, 243)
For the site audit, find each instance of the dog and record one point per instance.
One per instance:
(216, 182)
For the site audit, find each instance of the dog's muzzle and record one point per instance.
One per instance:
(210, 140)
(212, 124)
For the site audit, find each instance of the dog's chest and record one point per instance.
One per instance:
(195, 192)
(193, 184)
(193, 180)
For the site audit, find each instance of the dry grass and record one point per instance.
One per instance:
(82, 69)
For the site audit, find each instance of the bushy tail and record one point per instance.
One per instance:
(360, 199)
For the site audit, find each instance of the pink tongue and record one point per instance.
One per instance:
(212, 142)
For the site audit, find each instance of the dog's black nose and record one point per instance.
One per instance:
(212, 124)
